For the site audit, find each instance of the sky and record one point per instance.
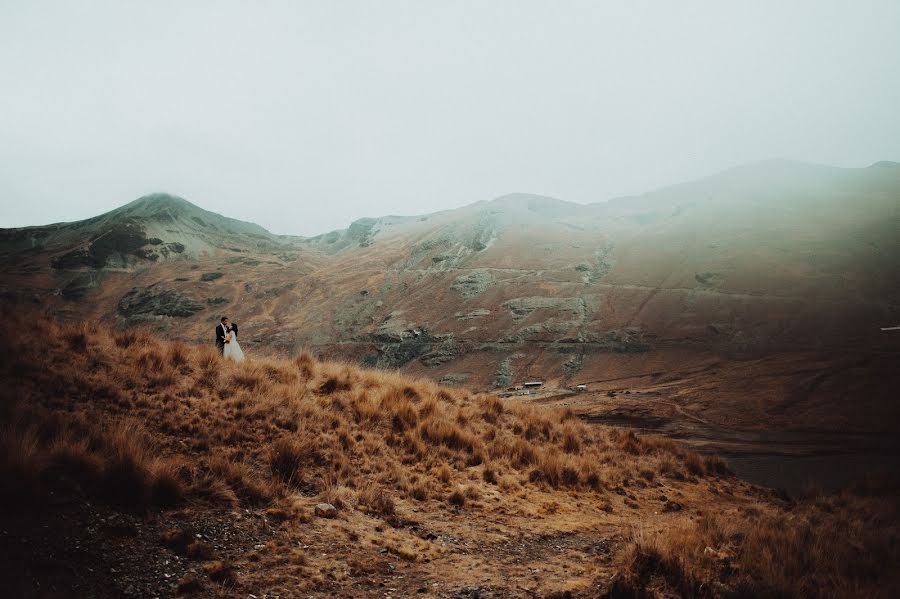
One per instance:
(304, 116)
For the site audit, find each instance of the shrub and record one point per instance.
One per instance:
(286, 457)
(444, 473)
(178, 354)
(222, 572)
(247, 484)
(21, 462)
(166, 489)
(377, 500)
(77, 340)
(694, 463)
(489, 476)
(571, 443)
(126, 339)
(305, 365)
(717, 466)
(449, 434)
(292, 459)
(457, 497)
(333, 384)
(396, 405)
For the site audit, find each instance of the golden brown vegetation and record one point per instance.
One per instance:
(142, 424)
(821, 546)
(264, 429)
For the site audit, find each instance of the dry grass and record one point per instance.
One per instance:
(266, 428)
(42, 452)
(827, 546)
(271, 433)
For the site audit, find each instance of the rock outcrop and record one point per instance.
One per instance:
(473, 283)
(156, 301)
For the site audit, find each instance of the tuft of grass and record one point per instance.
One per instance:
(716, 466)
(247, 483)
(447, 433)
(457, 497)
(177, 539)
(199, 550)
(21, 464)
(293, 458)
(306, 365)
(221, 572)
(377, 501)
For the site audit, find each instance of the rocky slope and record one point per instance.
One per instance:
(771, 259)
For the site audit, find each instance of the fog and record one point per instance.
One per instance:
(302, 116)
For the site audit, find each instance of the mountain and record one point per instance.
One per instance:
(152, 229)
(698, 292)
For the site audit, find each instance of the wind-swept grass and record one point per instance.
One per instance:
(125, 418)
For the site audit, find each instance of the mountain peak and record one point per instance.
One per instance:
(154, 203)
(524, 197)
(166, 208)
(530, 202)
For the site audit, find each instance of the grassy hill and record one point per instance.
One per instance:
(767, 264)
(133, 466)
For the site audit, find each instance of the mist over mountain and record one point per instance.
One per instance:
(739, 315)
(450, 300)
(775, 258)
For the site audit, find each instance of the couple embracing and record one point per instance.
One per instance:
(226, 340)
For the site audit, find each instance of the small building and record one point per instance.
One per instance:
(533, 384)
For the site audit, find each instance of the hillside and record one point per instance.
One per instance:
(133, 466)
(741, 272)
(151, 230)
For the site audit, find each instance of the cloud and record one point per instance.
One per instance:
(304, 116)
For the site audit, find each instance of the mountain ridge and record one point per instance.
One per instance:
(799, 265)
(161, 200)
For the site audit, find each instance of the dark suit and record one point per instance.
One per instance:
(221, 331)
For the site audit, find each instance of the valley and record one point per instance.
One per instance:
(708, 382)
(450, 300)
(745, 304)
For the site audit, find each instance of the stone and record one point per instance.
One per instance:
(80, 286)
(473, 283)
(325, 510)
(154, 301)
(672, 506)
(479, 313)
(522, 307)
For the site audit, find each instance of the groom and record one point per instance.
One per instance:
(221, 332)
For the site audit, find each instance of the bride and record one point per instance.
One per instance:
(232, 347)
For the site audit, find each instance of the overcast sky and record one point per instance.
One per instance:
(303, 116)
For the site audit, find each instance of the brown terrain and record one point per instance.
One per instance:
(138, 467)
(741, 312)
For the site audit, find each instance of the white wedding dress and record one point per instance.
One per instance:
(233, 348)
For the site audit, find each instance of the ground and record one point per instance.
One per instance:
(138, 467)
